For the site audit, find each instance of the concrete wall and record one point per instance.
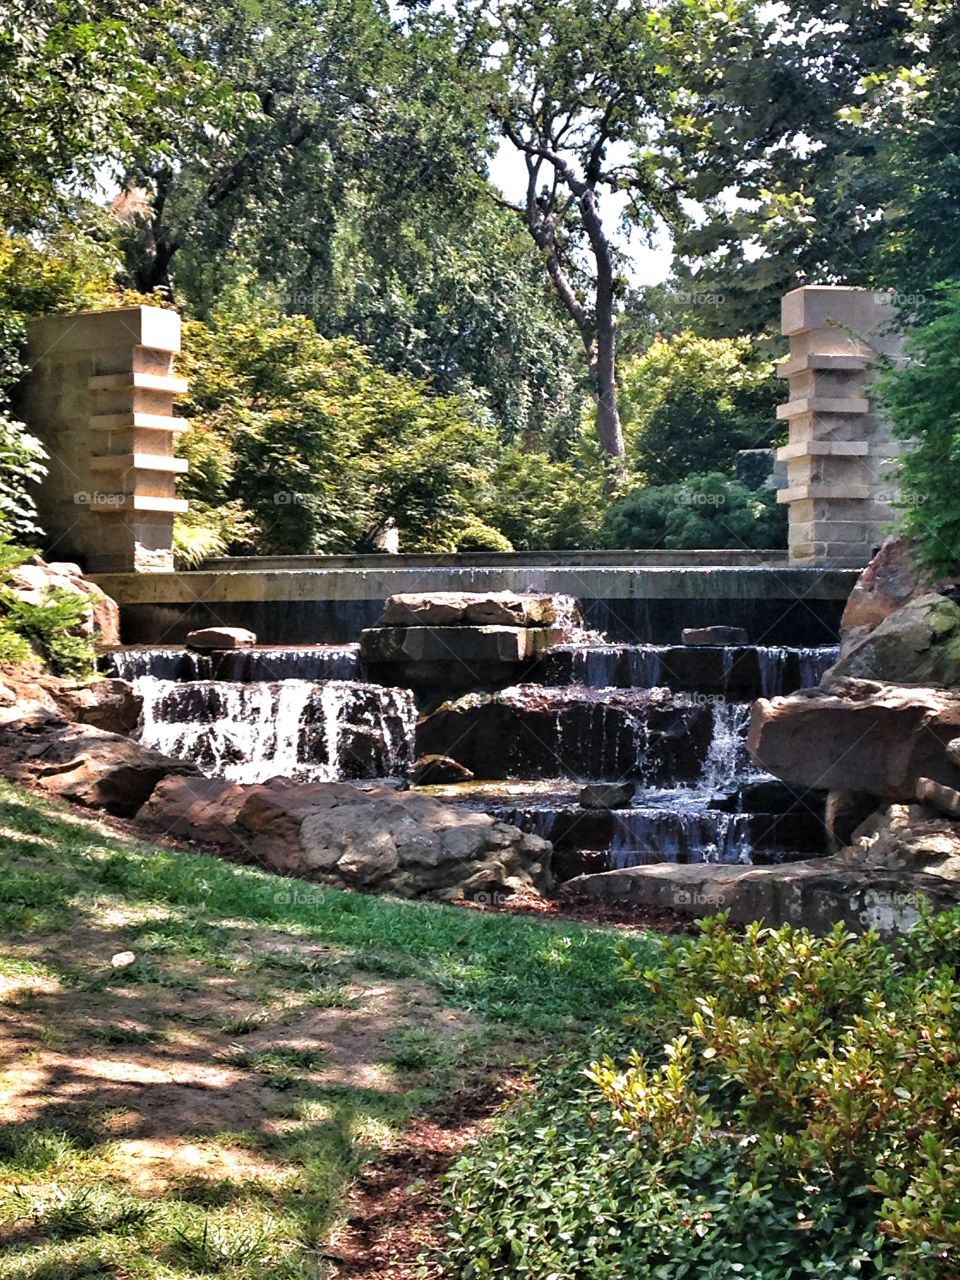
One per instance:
(841, 456)
(100, 397)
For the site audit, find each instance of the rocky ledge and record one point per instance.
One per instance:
(398, 842)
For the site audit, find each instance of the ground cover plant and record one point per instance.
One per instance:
(198, 1060)
(791, 1108)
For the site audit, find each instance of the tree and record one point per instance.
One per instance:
(254, 165)
(592, 96)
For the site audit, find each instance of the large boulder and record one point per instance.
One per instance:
(890, 580)
(405, 843)
(109, 704)
(858, 736)
(533, 731)
(83, 763)
(919, 643)
(816, 894)
(31, 582)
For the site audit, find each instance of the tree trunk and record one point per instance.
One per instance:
(609, 431)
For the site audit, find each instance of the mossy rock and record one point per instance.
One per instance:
(917, 644)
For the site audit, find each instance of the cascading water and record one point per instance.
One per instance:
(305, 662)
(671, 718)
(295, 728)
(737, 671)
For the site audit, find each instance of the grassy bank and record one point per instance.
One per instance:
(199, 1059)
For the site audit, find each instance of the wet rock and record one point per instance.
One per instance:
(456, 646)
(815, 894)
(208, 638)
(859, 735)
(397, 842)
(607, 795)
(917, 644)
(88, 765)
(436, 770)
(531, 731)
(713, 635)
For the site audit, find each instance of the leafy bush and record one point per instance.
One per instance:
(689, 403)
(55, 631)
(316, 445)
(792, 1110)
(921, 401)
(708, 511)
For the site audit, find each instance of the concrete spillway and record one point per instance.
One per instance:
(632, 597)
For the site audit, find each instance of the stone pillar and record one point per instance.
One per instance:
(99, 396)
(841, 455)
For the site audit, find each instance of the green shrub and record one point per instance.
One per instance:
(793, 1109)
(708, 511)
(54, 630)
(922, 403)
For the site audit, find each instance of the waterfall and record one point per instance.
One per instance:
(727, 764)
(738, 671)
(294, 728)
(679, 831)
(307, 662)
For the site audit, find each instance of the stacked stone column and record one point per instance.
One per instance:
(841, 455)
(100, 397)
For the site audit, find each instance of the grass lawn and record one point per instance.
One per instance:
(206, 1069)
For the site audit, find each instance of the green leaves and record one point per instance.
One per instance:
(791, 1111)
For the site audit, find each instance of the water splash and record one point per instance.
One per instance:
(292, 728)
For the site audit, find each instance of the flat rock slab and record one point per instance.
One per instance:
(456, 644)
(713, 635)
(815, 894)
(491, 608)
(858, 735)
(211, 638)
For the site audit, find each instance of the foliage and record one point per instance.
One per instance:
(204, 531)
(799, 1119)
(707, 511)
(55, 630)
(689, 403)
(319, 446)
(921, 400)
(546, 505)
